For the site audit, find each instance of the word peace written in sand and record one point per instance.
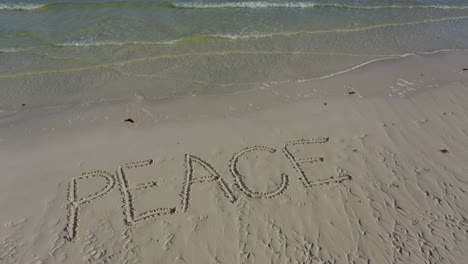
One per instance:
(210, 176)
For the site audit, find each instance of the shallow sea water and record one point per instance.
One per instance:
(65, 51)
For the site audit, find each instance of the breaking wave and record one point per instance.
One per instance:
(112, 43)
(214, 5)
(255, 4)
(20, 7)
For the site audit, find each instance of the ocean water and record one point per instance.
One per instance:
(55, 52)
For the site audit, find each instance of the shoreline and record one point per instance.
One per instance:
(261, 85)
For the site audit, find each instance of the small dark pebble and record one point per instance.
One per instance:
(129, 120)
(23, 104)
(324, 103)
(352, 93)
(465, 69)
(445, 151)
(354, 150)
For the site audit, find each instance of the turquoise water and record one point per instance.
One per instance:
(54, 52)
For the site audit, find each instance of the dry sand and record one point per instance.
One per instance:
(370, 166)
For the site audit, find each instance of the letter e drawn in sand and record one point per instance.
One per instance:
(75, 202)
(296, 163)
(128, 200)
(259, 195)
(190, 160)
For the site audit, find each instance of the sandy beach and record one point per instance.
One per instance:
(368, 166)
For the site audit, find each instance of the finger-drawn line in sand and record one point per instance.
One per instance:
(238, 177)
(243, 229)
(130, 254)
(296, 163)
(189, 180)
(210, 176)
(143, 186)
(8, 251)
(128, 200)
(75, 202)
(168, 241)
(93, 250)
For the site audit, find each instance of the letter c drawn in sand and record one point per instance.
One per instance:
(238, 177)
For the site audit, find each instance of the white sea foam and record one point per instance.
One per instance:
(90, 44)
(250, 4)
(10, 50)
(245, 36)
(263, 4)
(20, 7)
(112, 43)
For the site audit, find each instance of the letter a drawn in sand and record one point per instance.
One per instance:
(129, 202)
(75, 202)
(190, 160)
(259, 195)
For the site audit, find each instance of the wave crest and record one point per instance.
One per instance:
(10, 50)
(264, 4)
(213, 5)
(112, 43)
(20, 7)
(250, 4)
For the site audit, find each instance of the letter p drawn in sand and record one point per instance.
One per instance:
(75, 202)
